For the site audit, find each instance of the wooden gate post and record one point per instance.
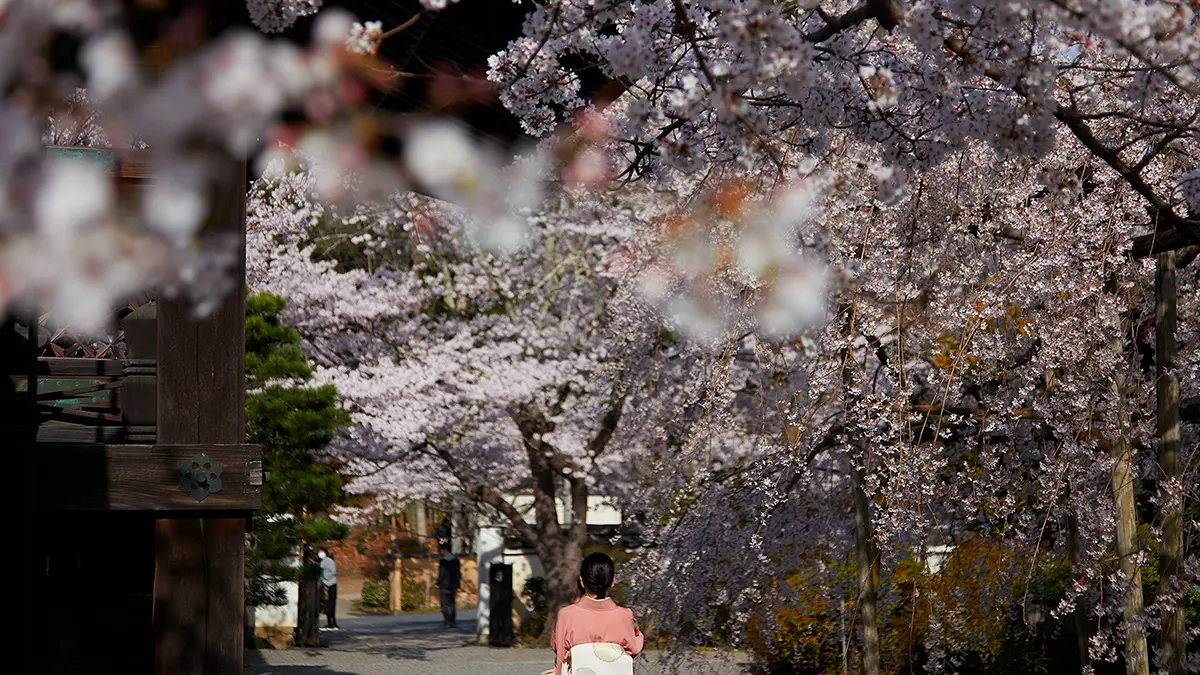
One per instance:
(198, 577)
(396, 585)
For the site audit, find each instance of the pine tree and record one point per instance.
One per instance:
(293, 422)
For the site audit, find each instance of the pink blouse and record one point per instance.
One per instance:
(590, 620)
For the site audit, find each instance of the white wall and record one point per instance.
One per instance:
(283, 616)
(601, 510)
(935, 557)
(489, 548)
(286, 615)
(526, 565)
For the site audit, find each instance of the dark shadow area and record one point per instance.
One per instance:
(95, 594)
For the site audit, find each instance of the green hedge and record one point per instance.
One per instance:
(376, 593)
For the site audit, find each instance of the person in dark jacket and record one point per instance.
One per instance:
(442, 533)
(449, 580)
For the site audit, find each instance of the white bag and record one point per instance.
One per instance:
(599, 658)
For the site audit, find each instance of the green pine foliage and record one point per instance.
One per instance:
(293, 422)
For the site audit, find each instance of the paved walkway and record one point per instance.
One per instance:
(416, 644)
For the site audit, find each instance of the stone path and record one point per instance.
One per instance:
(416, 644)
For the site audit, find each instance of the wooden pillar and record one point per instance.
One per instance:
(396, 584)
(1174, 633)
(18, 419)
(422, 530)
(198, 576)
(1137, 659)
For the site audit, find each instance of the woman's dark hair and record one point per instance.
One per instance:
(597, 574)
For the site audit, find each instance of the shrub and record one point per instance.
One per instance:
(412, 595)
(376, 593)
(802, 638)
(978, 595)
(534, 595)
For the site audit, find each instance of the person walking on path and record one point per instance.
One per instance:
(329, 582)
(449, 580)
(595, 617)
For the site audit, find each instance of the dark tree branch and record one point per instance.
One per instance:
(1164, 217)
(884, 11)
(486, 495)
(579, 507)
(608, 426)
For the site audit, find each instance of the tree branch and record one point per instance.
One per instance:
(487, 495)
(1164, 217)
(884, 11)
(608, 427)
(579, 507)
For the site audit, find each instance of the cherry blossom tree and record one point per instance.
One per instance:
(1097, 97)
(976, 186)
(984, 375)
(482, 375)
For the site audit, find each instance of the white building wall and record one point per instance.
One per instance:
(935, 557)
(283, 616)
(601, 510)
(526, 565)
(489, 548)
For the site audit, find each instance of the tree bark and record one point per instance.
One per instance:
(562, 556)
(561, 562)
(1174, 640)
(1079, 614)
(559, 545)
(864, 550)
(1136, 657)
(864, 547)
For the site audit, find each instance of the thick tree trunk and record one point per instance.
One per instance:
(559, 545)
(864, 550)
(562, 568)
(562, 582)
(1174, 640)
(1136, 657)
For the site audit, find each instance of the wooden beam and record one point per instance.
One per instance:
(1160, 242)
(126, 164)
(145, 477)
(59, 431)
(201, 398)
(67, 367)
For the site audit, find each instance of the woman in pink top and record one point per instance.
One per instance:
(594, 617)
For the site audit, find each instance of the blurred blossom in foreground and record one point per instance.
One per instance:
(93, 256)
(446, 161)
(735, 259)
(76, 245)
(365, 38)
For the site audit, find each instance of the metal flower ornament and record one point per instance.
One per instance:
(200, 476)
